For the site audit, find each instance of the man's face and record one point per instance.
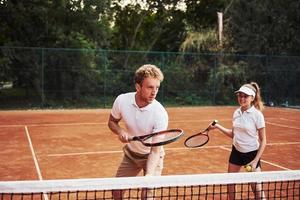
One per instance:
(147, 91)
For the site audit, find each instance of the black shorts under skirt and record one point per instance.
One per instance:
(241, 159)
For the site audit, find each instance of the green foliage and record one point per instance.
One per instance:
(282, 80)
(63, 24)
(23, 23)
(226, 79)
(202, 15)
(70, 74)
(158, 26)
(5, 73)
(47, 23)
(200, 41)
(264, 27)
(192, 99)
(56, 51)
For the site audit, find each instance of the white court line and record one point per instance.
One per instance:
(55, 124)
(279, 166)
(87, 123)
(270, 163)
(112, 152)
(290, 120)
(105, 123)
(92, 123)
(224, 147)
(33, 155)
(166, 149)
(282, 143)
(284, 126)
(83, 153)
(35, 160)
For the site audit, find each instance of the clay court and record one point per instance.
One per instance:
(66, 144)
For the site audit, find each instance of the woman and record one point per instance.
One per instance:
(248, 134)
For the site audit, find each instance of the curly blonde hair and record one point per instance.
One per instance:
(148, 70)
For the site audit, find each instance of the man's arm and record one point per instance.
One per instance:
(156, 152)
(114, 126)
(153, 160)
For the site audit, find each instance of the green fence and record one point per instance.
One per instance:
(44, 77)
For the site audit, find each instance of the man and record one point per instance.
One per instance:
(142, 115)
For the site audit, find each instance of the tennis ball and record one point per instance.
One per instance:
(248, 168)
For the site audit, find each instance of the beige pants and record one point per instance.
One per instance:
(133, 163)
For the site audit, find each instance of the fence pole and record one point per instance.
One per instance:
(43, 78)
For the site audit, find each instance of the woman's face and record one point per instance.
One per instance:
(244, 100)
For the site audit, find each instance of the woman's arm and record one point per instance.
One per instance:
(263, 143)
(226, 131)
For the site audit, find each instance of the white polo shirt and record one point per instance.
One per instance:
(139, 121)
(245, 129)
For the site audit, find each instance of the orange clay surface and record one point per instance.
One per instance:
(63, 144)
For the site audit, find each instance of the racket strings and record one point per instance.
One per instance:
(166, 136)
(197, 140)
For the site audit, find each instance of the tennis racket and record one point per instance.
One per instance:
(199, 139)
(159, 138)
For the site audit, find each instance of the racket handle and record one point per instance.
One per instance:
(132, 139)
(214, 122)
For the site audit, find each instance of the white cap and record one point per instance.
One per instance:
(246, 90)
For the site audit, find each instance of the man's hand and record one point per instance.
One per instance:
(123, 136)
(114, 126)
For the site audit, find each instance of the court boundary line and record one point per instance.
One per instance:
(283, 126)
(54, 124)
(37, 167)
(290, 120)
(223, 147)
(171, 121)
(262, 160)
(166, 149)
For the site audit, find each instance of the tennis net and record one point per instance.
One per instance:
(254, 185)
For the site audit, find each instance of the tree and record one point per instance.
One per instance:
(201, 17)
(155, 25)
(60, 24)
(264, 27)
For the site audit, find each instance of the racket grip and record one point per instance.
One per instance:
(132, 139)
(214, 122)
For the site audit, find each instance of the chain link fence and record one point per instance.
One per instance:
(84, 78)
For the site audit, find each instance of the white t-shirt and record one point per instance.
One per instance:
(245, 129)
(139, 121)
